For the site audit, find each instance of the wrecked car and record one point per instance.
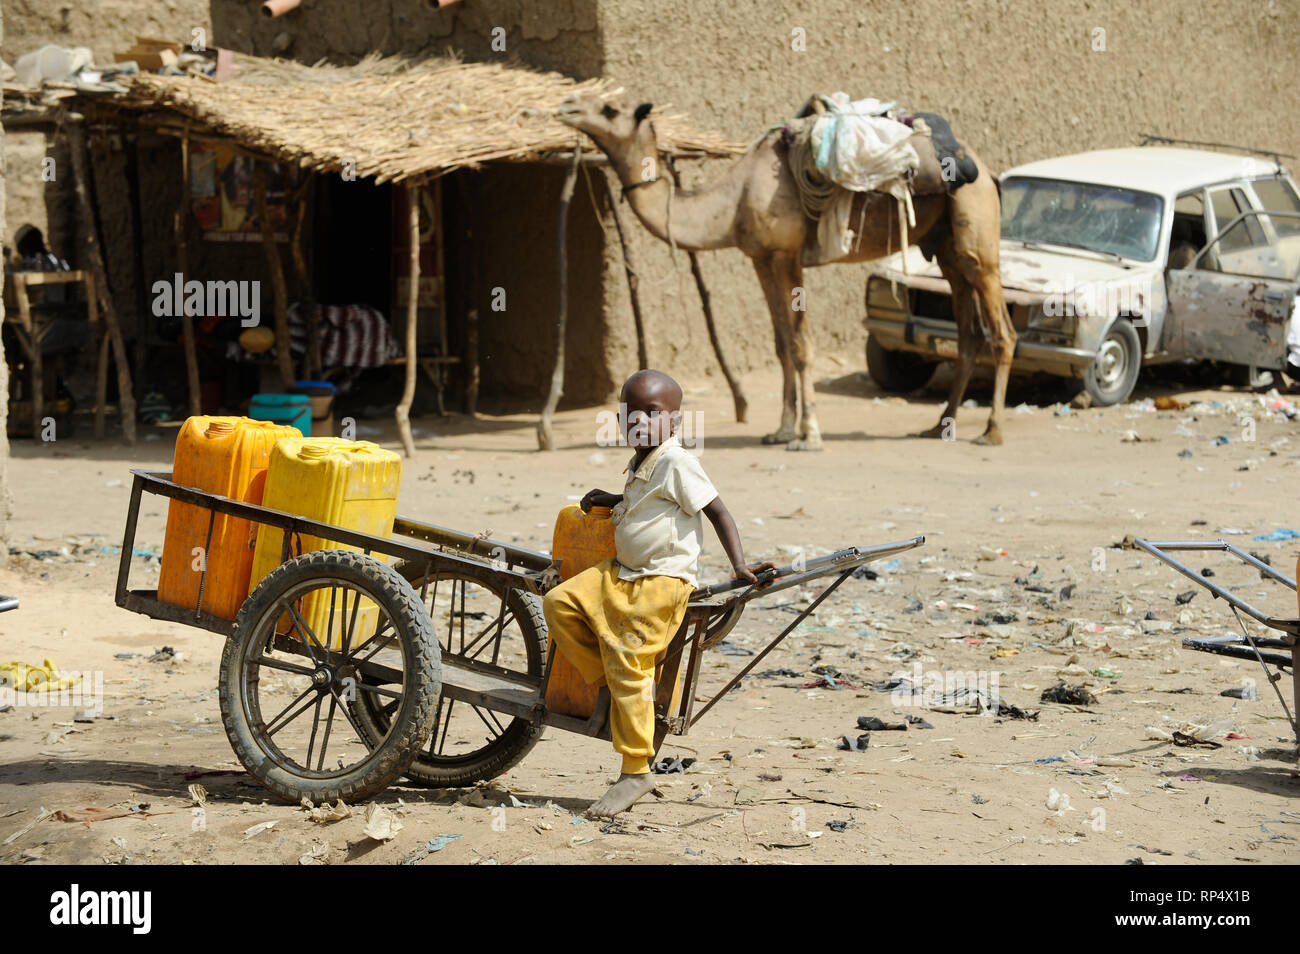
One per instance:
(1112, 260)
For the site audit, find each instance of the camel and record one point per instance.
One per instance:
(755, 207)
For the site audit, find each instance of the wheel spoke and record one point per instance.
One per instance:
(325, 742)
(315, 724)
(302, 627)
(497, 730)
(270, 663)
(379, 690)
(272, 727)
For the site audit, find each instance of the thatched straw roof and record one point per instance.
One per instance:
(394, 118)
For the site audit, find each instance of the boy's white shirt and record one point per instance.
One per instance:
(658, 526)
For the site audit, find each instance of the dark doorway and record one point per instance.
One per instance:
(352, 234)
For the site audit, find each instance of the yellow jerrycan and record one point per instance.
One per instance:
(350, 484)
(226, 456)
(581, 541)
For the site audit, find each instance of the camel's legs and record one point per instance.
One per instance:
(963, 307)
(778, 305)
(789, 272)
(1002, 338)
(975, 236)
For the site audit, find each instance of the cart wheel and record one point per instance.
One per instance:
(318, 632)
(470, 743)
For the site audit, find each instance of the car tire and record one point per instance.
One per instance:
(897, 371)
(1114, 372)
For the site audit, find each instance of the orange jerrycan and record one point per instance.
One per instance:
(350, 484)
(581, 541)
(227, 456)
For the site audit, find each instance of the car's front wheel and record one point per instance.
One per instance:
(898, 371)
(1113, 373)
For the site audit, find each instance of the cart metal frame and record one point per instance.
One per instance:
(711, 613)
(1264, 649)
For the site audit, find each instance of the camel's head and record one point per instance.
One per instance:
(606, 119)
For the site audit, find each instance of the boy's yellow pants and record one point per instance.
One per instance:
(612, 630)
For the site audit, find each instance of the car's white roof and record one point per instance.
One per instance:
(1159, 169)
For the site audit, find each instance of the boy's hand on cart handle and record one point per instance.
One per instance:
(599, 498)
(752, 572)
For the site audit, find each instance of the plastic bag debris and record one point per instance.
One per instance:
(873, 724)
(1245, 693)
(315, 855)
(1281, 533)
(326, 814)
(45, 677)
(860, 744)
(1068, 695)
(256, 830)
(434, 844)
(381, 824)
(670, 766)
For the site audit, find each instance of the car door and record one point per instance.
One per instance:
(1235, 301)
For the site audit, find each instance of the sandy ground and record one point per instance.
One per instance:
(1008, 530)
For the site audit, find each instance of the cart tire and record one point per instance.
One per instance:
(501, 754)
(386, 756)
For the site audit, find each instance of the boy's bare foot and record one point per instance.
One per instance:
(622, 794)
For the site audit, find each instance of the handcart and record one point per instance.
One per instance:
(424, 655)
(1266, 650)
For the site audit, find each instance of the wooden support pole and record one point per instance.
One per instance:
(466, 257)
(412, 317)
(99, 275)
(737, 394)
(180, 225)
(306, 299)
(545, 436)
(283, 357)
(633, 282)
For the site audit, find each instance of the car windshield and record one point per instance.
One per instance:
(1098, 218)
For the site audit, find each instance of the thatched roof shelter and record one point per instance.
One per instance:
(386, 117)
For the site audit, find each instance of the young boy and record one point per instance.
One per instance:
(613, 619)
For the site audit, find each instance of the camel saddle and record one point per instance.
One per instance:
(939, 151)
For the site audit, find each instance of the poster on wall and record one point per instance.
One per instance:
(222, 195)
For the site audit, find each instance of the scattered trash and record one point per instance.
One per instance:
(872, 724)
(671, 766)
(1281, 533)
(1015, 712)
(1068, 695)
(864, 573)
(326, 814)
(381, 824)
(198, 794)
(728, 648)
(1245, 693)
(1220, 441)
(28, 678)
(1056, 802)
(835, 825)
(433, 845)
(1185, 452)
(1183, 739)
(1103, 673)
(166, 654)
(256, 830)
(918, 722)
(1165, 403)
(1182, 599)
(1207, 572)
(315, 855)
(859, 744)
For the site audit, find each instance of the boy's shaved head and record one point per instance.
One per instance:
(647, 387)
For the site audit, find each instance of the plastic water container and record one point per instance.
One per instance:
(350, 484)
(291, 409)
(227, 456)
(581, 541)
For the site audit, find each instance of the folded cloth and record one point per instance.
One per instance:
(351, 336)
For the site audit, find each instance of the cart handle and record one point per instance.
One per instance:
(787, 576)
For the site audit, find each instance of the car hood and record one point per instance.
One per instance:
(1032, 270)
